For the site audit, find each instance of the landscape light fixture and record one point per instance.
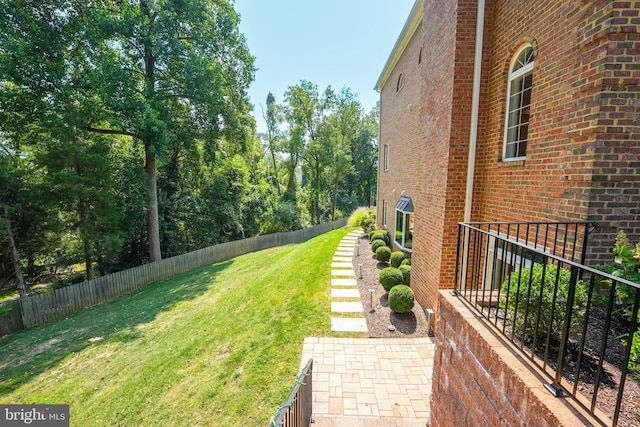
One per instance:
(360, 265)
(371, 291)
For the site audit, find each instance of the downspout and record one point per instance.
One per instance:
(473, 138)
(475, 107)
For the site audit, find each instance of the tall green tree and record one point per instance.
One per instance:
(272, 119)
(361, 181)
(161, 66)
(305, 112)
(344, 124)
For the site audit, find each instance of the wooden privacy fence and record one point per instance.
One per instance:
(41, 308)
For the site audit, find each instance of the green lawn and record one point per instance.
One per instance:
(219, 345)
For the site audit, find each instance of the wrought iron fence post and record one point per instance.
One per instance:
(556, 388)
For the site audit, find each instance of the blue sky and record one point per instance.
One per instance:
(327, 42)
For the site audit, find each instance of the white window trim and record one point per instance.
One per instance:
(386, 157)
(526, 69)
(385, 210)
(404, 232)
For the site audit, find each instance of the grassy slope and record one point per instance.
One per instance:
(219, 345)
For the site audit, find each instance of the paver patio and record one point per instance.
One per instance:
(364, 382)
(370, 382)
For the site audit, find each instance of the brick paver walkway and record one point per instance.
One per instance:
(363, 382)
(370, 382)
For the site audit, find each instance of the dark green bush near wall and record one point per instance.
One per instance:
(377, 244)
(396, 258)
(390, 277)
(381, 234)
(383, 253)
(401, 299)
(406, 273)
(521, 295)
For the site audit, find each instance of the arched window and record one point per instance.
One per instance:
(516, 132)
(400, 84)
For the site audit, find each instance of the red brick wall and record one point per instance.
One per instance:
(584, 133)
(608, 61)
(477, 381)
(402, 129)
(438, 103)
(583, 154)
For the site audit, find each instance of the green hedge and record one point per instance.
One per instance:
(401, 299)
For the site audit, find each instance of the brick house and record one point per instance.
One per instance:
(554, 136)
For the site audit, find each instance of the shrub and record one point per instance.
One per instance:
(406, 261)
(401, 299)
(377, 244)
(383, 253)
(522, 300)
(406, 273)
(396, 258)
(390, 277)
(381, 234)
(362, 217)
(626, 264)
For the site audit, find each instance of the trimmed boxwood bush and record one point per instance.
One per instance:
(377, 244)
(390, 277)
(383, 253)
(401, 299)
(381, 234)
(524, 288)
(406, 273)
(396, 258)
(406, 261)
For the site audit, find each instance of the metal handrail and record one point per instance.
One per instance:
(297, 408)
(495, 267)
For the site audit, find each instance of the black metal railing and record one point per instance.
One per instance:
(297, 409)
(529, 282)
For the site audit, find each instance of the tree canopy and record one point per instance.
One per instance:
(126, 136)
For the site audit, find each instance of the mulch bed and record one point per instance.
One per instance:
(379, 316)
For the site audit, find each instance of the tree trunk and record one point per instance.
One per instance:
(153, 225)
(276, 182)
(88, 265)
(335, 195)
(14, 255)
(317, 195)
(153, 220)
(82, 216)
(100, 258)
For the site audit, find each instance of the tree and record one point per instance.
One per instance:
(305, 112)
(345, 122)
(159, 67)
(271, 117)
(361, 181)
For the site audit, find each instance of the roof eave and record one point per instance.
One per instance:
(410, 27)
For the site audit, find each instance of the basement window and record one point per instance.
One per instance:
(404, 223)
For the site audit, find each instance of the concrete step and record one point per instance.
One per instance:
(346, 307)
(345, 293)
(343, 273)
(344, 282)
(345, 324)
